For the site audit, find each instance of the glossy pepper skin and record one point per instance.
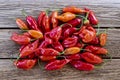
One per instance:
(29, 49)
(21, 24)
(57, 46)
(96, 49)
(91, 17)
(35, 34)
(70, 41)
(65, 17)
(56, 64)
(71, 50)
(91, 58)
(73, 9)
(40, 18)
(73, 57)
(25, 64)
(55, 33)
(53, 20)
(80, 65)
(103, 39)
(87, 34)
(47, 58)
(20, 39)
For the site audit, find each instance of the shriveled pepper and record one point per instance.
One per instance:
(80, 65)
(91, 58)
(70, 41)
(29, 49)
(54, 21)
(36, 34)
(20, 39)
(65, 17)
(21, 24)
(103, 39)
(56, 64)
(47, 58)
(96, 49)
(73, 9)
(25, 64)
(57, 46)
(71, 50)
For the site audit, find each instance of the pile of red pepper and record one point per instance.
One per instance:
(59, 38)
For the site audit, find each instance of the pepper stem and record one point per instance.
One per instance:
(47, 11)
(80, 16)
(23, 12)
(98, 29)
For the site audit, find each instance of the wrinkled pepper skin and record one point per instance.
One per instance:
(56, 64)
(82, 65)
(20, 39)
(65, 17)
(96, 49)
(70, 41)
(91, 58)
(21, 24)
(57, 46)
(29, 49)
(73, 9)
(25, 64)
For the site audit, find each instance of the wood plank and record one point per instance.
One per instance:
(108, 12)
(106, 72)
(9, 49)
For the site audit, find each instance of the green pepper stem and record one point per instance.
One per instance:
(23, 12)
(98, 29)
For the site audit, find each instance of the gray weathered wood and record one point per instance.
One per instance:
(8, 47)
(109, 71)
(108, 12)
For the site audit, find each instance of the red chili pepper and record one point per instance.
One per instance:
(96, 49)
(73, 57)
(91, 58)
(73, 9)
(82, 65)
(70, 41)
(54, 21)
(21, 24)
(21, 48)
(25, 63)
(46, 23)
(40, 19)
(20, 39)
(91, 17)
(48, 52)
(55, 33)
(32, 56)
(103, 39)
(57, 46)
(56, 64)
(95, 41)
(47, 58)
(27, 34)
(29, 49)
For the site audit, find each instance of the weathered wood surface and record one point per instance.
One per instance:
(108, 13)
(9, 49)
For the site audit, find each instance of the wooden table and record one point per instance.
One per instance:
(108, 13)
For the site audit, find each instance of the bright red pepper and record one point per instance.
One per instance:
(57, 46)
(70, 41)
(47, 58)
(22, 47)
(25, 64)
(91, 17)
(55, 33)
(80, 65)
(96, 49)
(20, 39)
(91, 58)
(54, 21)
(56, 64)
(40, 19)
(29, 49)
(73, 57)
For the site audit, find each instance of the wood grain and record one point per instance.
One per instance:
(9, 49)
(108, 12)
(106, 72)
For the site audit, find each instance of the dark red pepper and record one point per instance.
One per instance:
(95, 41)
(73, 57)
(56, 64)
(82, 65)
(57, 46)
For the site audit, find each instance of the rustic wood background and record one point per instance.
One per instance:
(108, 13)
